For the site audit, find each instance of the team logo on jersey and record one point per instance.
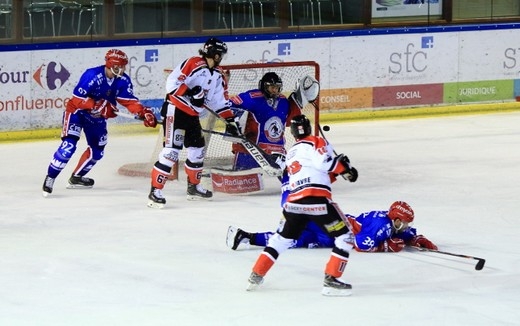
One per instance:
(51, 76)
(273, 129)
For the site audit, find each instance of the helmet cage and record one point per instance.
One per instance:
(270, 79)
(300, 126)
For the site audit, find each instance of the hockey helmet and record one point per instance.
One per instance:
(300, 126)
(401, 211)
(116, 60)
(270, 79)
(212, 47)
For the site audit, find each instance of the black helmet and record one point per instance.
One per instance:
(300, 126)
(212, 47)
(269, 79)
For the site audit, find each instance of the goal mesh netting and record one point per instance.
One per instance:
(242, 78)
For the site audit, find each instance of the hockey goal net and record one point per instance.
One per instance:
(243, 77)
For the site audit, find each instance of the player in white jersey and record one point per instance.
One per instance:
(312, 167)
(192, 87)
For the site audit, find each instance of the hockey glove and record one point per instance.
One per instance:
(232, 127)
(391, 245)
(279, 159)
(105, 109)
(148, 118)
(350, 172)
(352, 175)
(422, 241)
(196, 95)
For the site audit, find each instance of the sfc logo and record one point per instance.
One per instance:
(51, 76)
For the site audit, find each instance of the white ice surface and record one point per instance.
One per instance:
(101, 257)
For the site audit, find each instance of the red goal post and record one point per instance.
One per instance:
(242, 77)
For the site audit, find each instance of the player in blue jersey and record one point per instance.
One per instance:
(267, 112)
(375, 231)
(93, 101)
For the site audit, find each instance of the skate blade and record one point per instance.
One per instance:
(332, 292)
(153, 204)
(198, 198)
(252, 287)
(69, 186)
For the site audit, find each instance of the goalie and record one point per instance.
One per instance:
(265, 112)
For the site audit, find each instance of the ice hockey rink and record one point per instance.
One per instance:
(101, 257)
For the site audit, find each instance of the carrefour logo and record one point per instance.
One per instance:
(51, 76)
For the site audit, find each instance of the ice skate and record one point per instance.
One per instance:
(255, 281)
(236, 236)
(80, 182)
(156, 197)
(333, 287)
(48, 183)
(197, 192)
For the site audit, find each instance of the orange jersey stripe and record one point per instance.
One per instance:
(312, 191)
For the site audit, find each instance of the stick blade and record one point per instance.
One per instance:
(480, 264)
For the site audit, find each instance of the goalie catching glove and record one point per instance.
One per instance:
(307, 91)
(350, 172)
(422, 242)
(105, 109)
(148, 118)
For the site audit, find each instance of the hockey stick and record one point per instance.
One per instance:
(256, 152)
(478, 267)
(323, 136)
(308, 90)
(132, 116)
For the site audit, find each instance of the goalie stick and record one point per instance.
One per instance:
(261, 157)
(256, 152)
(478, 266)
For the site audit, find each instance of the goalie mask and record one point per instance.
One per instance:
(212, 48)
(116, 60)
(300, 126)
(270, 85)
(401, 211)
